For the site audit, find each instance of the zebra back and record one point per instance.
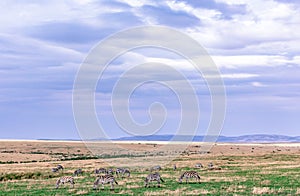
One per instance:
(110, 171)
(100, 170)
(157, 167)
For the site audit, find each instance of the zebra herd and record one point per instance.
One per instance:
(108, 178)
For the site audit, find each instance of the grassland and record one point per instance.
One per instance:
(246, 169)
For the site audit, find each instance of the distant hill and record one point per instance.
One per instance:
(257, 138)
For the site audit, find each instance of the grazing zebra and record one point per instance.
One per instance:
(174, 167)
(65, 179)
(77, 172)
(210, 165)
(153, 177)
(198, 165)
(100, 170)
(110, 171)
(105, 180)
(54, 169)
(157, 167)
(189, 174)
(60, 167)
(122, 172)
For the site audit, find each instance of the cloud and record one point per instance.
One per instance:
(255, 43)
(163, 15)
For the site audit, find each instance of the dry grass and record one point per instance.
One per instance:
(226, 156)
(167, 192)
(262, 190)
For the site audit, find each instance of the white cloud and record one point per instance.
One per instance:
(252, 61)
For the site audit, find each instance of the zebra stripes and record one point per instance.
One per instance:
(100, 170)
(110, 171)
(104, 171)
(65, 179)
(189, 174)
(110, 179)
(153, 177)
(122, 171)
(105, 180)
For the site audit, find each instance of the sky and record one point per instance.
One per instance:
(254, 43)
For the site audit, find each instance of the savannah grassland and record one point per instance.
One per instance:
(246, 169)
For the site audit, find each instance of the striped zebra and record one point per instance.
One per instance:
(65, 179)
(77, 172)
(153, 177)
(189, 174)
(157, 168)
(100, 170)
(105, 180)
(122, 172)
(110, 171)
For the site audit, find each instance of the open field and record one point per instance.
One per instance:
(246, 169)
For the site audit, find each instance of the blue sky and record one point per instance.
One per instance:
(254, 43)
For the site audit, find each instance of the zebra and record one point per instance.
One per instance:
(77, 172)
(65, 179)
(105, 180)
(198, 165)
(54, 169)
(100, 170)
(57, 168)
(60, 167)
(110, 171)
(122, 172)
(189, 174)
(153, 177)
(157, 167)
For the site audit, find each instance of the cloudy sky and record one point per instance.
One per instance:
(254, 43)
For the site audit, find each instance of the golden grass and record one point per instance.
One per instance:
(238, 155)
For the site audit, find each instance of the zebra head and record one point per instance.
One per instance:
(180, 179)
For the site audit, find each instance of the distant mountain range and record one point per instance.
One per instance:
(256, 138)
(262, 138)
